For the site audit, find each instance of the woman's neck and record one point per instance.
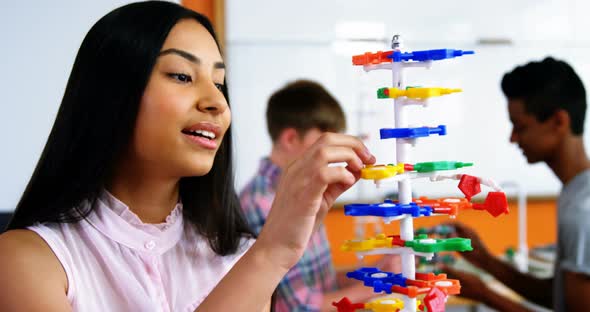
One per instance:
(151, 198)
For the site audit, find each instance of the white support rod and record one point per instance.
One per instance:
(521, 257)
(368, 68)
(404, 186)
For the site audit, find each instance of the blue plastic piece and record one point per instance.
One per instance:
(387, 209)
(379, 280)
(410, 133)
(427, 55)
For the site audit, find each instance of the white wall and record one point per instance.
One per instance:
(40, 40)
(272, 42)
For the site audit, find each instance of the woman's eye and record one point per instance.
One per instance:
(220, 86)
(184, 78)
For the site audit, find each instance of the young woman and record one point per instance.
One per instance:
(132, 207)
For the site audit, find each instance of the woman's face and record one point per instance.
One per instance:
(183, 114)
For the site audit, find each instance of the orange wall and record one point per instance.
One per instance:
(215, 11)
(497, 233)
(204, 7)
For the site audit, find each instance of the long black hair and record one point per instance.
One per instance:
(95, 122)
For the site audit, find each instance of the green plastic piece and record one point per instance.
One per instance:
(421, 231)
(424, 244)
(510, 253)
(440, 165)
(381, 93)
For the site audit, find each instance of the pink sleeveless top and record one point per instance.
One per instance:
(115, 262)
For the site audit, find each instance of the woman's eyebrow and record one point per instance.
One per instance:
(190, 57)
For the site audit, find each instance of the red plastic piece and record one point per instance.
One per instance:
(424, 283)
(495, 203)
(435, 300)
(469, 185)
(431, 280)
(407, 167)
(344, 305)
(369, 58)
(397, 241)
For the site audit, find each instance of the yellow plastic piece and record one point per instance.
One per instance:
(379, 172)
(380, 241)
(389, 305)
(385, 305)
(420, 93)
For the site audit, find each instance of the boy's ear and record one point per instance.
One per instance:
(289, 139)
(561, 121)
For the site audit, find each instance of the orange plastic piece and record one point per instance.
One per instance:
(372, 58)
(424, 283)
(450, 205)
(430, 276)
(410, 291)
(430, 280)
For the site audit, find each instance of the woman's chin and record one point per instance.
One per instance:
(198, 170)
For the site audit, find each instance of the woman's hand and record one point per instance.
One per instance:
(390, 263)
(307, 189)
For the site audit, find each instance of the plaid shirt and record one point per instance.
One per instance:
(302, 288)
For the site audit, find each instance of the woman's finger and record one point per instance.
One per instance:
(335, 139)
(335, 175)
(337, 154)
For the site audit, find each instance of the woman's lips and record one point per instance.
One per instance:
(201, 141)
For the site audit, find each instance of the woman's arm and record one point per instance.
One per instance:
(307, 190)
(248, 286)
(31, 277)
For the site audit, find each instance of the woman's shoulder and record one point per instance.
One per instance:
(27, 248)
(24, 243)
(26, 259)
